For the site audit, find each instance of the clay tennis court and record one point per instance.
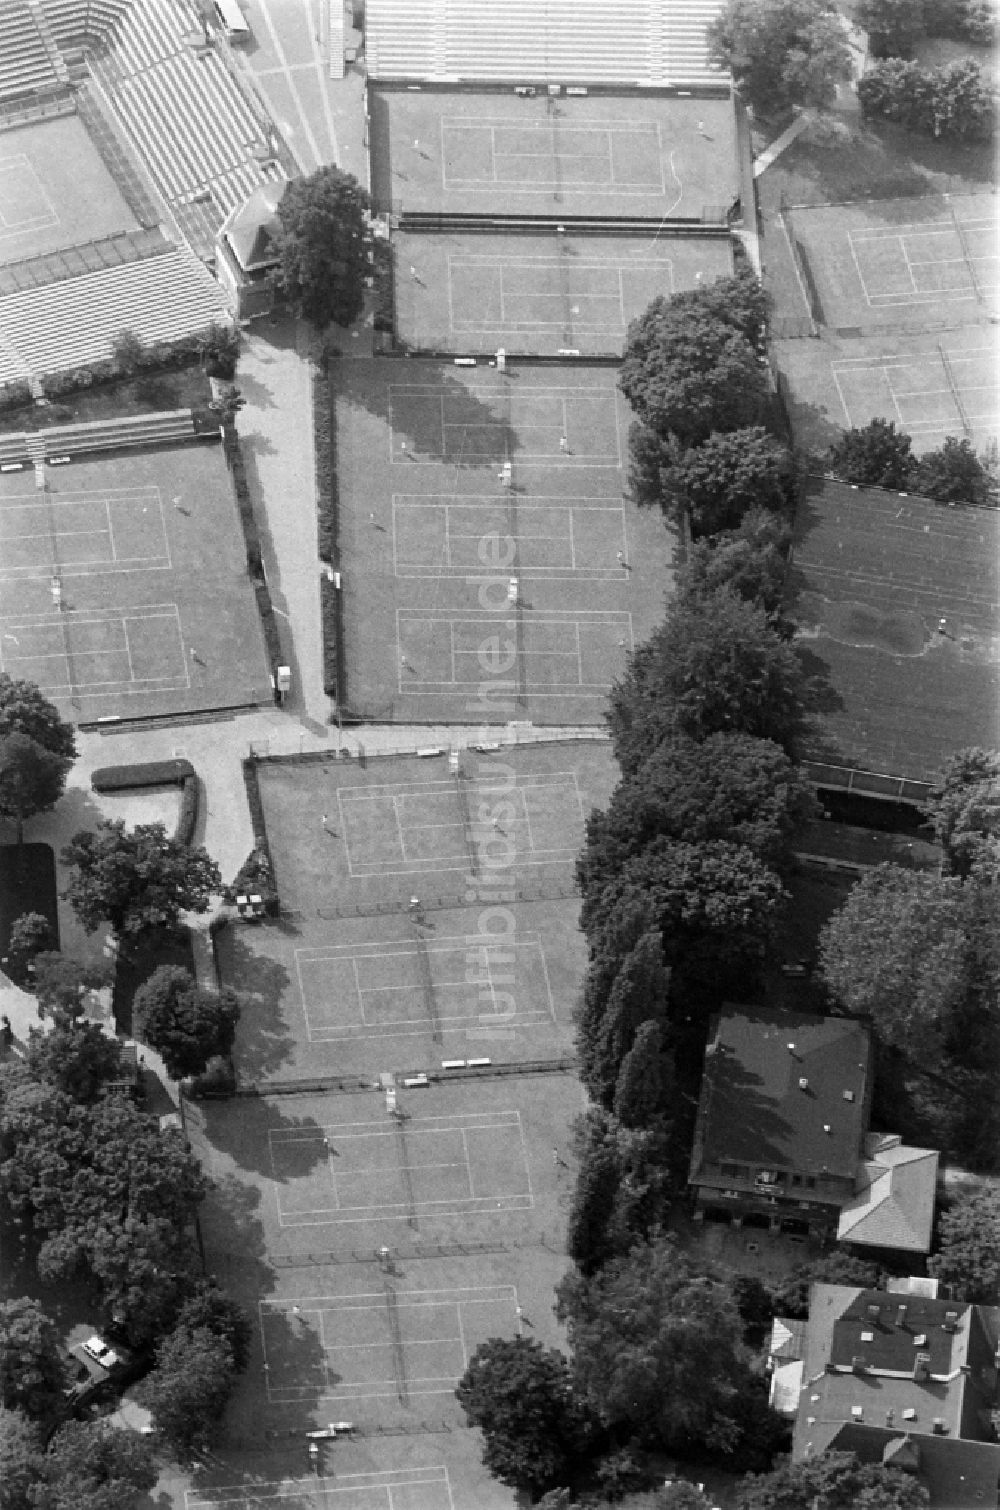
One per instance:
(489, 151)
(124, 585)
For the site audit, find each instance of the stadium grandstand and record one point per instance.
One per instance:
(650, 43)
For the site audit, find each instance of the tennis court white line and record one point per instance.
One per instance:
(320, 1491)
(32, 222)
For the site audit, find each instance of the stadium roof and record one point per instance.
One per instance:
(896, 600)
(642, 42)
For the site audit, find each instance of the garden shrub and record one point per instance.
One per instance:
(952, 103)
(217, 1080)
(187, 818)
(329, 598)
(255, 876)
(15, 395)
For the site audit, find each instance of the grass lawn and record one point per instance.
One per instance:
(136, 963)
(27, 884)
(185, 388)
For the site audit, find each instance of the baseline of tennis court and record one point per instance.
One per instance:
(951, 391)
(97, 651)
(437, 536)
(521, 293)
(386, 1343)
(80, 533)
(567, 425)
(403, 1167)
(380, 988)
(390, 1489)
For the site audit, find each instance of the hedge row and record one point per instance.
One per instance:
(266, 610)
(115, 778)
(332, 642)
(326, 467)
(251, 535)
(384, 279)
(120, 778)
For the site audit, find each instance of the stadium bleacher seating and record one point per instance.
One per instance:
(98, 435)
(82, 23)
(71, 323)
(26, 63)
(185, 115)
(649, 42)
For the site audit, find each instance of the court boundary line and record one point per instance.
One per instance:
(467, 1205)
(922, 362)
(37, 222)
(504, 426)
(608, 128)
(242, 1496)
(578, 618)
(67, 620)
(538, 503)
(412, 1027)
(117, 566)
(581, 325)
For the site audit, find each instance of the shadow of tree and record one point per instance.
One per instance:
(263, 1042)
(475, 434)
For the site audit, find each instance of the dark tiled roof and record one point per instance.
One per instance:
(889, 1339)
(753, 1106)
(957, 1475)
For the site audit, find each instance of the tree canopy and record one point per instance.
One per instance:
(721, 480)
(952, 474)
(520, 1396)
(835, 1481)
(31, 1369)
(105, 1193)
(964, 810)
(92, 1465)
(968, 1258)
(184, 1024)
(23, 710)
(894, 26)
(781, 52)
(20, 1459)
(654, 1347)
(187, 1391)
(76, 1057)
(607, 1024)
(896, 951)
(717, 664)
(876, 455)
(61, 982)
(750, 561)
(687, 372)
(323, 245)
(136, 879)
(32, 778)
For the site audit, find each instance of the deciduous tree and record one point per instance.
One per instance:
(750, 561)
(968, 1258)
(876, 455)
(31, 1369)
(645, 1080)
(520, 1396)
(30, 934)
(894, 26)
(607, 1024)
(952, 474)
(687, 373)
(654, 1347)
(183, 1023)
(323, 245)
(32, 779)
(790, 1295)
(896, 951)
(61, 983)
(716, 665)
(76, 1057)
(964, 810)
(835, 1481)
(209, 1307)
(20, 1459)
(781, 52)
(187, 1391)
(23, 710)
(136, 879)
(721, 480)
(92, 1465)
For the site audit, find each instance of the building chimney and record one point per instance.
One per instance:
(950, 1322)
(921, 1367)
(803, 1083)
(901, 1315)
